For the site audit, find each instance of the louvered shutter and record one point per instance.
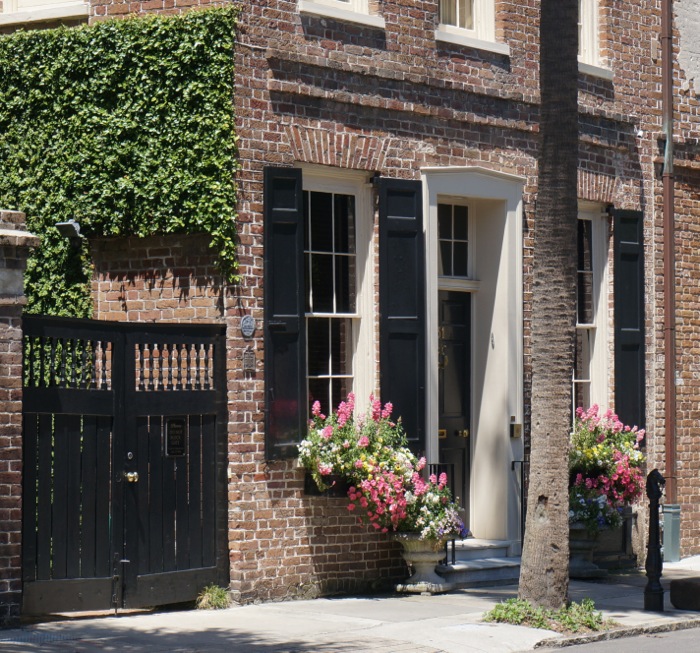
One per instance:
(402, 304)
(629, 317)
(285, 338)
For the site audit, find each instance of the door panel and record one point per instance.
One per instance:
(454, 378)
(122, 489)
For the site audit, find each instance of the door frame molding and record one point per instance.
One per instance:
(497, 332)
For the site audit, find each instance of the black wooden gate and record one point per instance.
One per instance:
(124, 463)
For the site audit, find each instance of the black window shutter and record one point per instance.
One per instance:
(402, 304)
(285, 336)
(629, 317)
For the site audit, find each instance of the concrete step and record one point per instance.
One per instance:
(482, 571)
(475, 549)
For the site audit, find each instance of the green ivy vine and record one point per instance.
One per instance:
(126, 126)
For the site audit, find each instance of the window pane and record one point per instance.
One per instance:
(318, 346)
(585, 298)
(344, 224)
(321, 283)
(466, 14)
(341, 346)
(319, 390)
(460, 223)
(585, 309)
(341, 388)
(321, 222)
(445, 221)
(585, 245)
(448, 12)
(446, 256)
(460, 260)
(345, 284)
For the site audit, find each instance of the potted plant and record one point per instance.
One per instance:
(605, 477)
(388, 488)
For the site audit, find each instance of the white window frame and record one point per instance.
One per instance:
(30, 11)
(483, 34)
(598, 342)
(327, 180)
(354, 11)
(589, 60)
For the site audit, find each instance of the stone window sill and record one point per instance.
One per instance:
(42, 14)
(315, 9)
(595, 71)
(471, 42)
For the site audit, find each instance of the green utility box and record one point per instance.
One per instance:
(672, 532)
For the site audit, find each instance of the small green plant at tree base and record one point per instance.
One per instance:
(572, 618)
(213, 597)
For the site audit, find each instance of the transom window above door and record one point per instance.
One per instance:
(453, 234)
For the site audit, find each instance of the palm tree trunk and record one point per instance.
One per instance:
(544, 576)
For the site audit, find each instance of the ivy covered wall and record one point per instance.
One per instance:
(126, 126)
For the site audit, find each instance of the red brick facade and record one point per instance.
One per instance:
(315, 90)
(14, 249)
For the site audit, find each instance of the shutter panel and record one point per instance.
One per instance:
(285, 336)
(402, 304)
(629, 317)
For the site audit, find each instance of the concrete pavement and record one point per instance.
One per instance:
(448, 623)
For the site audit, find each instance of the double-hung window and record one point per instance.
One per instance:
(27, 11)
(590, 369)
(354, 11)
(470, 23)
(588, 36)
(337, 288)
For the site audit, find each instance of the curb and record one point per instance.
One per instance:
(618, 633)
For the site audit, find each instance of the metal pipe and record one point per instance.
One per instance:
(669, 250)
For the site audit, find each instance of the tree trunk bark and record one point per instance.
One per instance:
(544, 577)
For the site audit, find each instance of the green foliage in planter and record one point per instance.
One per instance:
(126, 126)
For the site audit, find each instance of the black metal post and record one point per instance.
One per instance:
(654, 592)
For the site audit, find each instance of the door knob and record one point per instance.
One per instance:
(132, 477)
(464, 433)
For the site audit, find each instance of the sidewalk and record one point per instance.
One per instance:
(449, 623)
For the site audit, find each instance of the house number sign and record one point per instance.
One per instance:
(175, 437)
(247, 326)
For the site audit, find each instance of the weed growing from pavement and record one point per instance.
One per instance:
(572, 618)
(213, 597)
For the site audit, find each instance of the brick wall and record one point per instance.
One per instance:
(282, 543)
(315, 90)
(14, 249)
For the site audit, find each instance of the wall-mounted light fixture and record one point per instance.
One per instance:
(69, 229)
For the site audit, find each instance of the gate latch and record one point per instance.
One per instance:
(131, 477)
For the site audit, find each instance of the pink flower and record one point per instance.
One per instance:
(316, 408)
(325, 469)
(327, 432)
(351, 507)
(388, 408)
(363, 441)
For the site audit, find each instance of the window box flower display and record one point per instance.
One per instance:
(605, 477)
(388, 489)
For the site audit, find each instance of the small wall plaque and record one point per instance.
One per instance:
(249, 360)
(247, 326)
(175, 437)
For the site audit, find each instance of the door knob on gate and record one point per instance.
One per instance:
(132, 477)
(464, 433)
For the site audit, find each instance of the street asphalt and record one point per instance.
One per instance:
(447, 623)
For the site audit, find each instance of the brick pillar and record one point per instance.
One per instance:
(15, 244)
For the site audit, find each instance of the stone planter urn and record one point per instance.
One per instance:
(422, 555)
(582, 543)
